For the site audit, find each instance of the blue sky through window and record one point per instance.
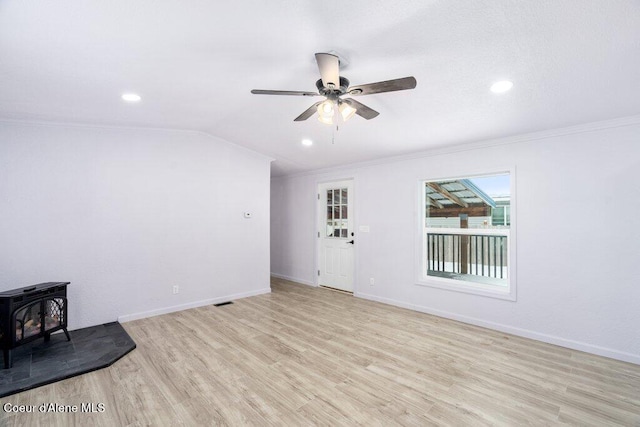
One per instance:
(494, 186)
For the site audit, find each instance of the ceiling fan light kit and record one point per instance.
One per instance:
(326, 112)
(346, 111)
(333, 86)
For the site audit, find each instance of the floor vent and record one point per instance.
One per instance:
(223, 303)
(336, 290)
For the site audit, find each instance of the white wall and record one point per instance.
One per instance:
(126, 214)
(577, 277)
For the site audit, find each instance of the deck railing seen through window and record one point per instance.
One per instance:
(474, 257)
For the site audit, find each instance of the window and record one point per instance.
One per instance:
(337, 209)
(466, 237)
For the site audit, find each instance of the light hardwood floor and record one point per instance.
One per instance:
(305, 356)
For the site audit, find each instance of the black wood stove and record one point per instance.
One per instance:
(29, 313)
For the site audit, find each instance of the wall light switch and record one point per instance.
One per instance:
(364, 228)
(247, 215)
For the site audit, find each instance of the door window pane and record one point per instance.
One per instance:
(329, 228)
(337, 212)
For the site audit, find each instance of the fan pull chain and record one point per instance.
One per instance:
(333, 134)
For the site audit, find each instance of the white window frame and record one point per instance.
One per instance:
(507, 292)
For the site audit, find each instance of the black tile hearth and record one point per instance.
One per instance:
(40, 363)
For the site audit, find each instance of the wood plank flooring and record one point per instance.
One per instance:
(309, 356)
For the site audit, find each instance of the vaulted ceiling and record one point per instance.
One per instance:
(195, 62)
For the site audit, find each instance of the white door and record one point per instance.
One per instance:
(336, 235)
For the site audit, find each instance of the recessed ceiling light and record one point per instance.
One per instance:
(501, 86)
(307, 142)
(131, 97)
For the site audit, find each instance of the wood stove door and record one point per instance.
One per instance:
(27, 321)
(3, 329)
(54, 314)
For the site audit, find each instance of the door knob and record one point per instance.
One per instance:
(351, 241)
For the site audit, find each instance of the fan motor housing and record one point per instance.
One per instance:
(335, 92)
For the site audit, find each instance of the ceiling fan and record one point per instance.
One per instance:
(333, 87)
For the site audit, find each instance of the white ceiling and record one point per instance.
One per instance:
(195, 62)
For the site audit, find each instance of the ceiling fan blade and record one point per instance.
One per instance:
(361, 109)
(283, 92)
(308, 112)
(386, 86)
(329, 66)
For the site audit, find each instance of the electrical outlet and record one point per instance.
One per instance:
(371, 281)
(176, 289)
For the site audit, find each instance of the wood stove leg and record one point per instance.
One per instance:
(8, 358)
(47, 337)
(67, 334)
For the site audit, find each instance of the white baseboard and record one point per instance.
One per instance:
(194, 304)
(293, 279)
(526, 333)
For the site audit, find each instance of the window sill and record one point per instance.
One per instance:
(492, 291)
